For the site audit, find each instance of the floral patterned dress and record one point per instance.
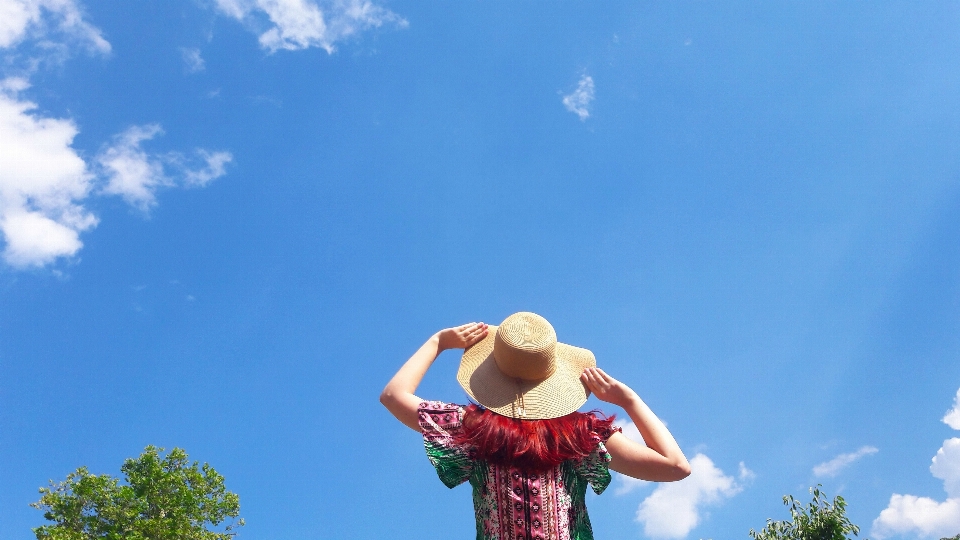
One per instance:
(509, 503)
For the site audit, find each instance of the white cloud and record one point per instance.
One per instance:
(834, 466)
(946, 467)
(42, 182)
(135, 175)
(301, 24)
(674, 509)
(192, 60)
(924, 516)
(630, 430)
(130, 172)
(34, 239)
(952, 418)
(578, 101)
(22, 19)
(920, 516)
(627, 484)
(215, 167)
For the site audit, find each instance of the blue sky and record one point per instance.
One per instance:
(226, 223)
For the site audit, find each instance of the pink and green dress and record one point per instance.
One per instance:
(511, 504)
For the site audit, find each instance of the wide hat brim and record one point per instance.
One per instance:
(557, 395)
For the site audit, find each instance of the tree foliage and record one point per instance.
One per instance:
(820, 520)
(161, 498)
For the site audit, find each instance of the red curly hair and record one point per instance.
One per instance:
(533, 445)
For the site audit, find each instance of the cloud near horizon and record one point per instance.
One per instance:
(675, 508)
(300, 24)
(834, 466)
(923, 516)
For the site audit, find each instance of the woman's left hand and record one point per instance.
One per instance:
(461, 337)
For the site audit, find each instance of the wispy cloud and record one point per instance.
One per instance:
(136, 175)
(578, 101)
(192, 60)
(301, 24)
(674, 509)
(834, 466)
(924, 516)
(129, 171)
(43, 180)
(952, 418)
(45, 184)
(214, 166)
(42, 19)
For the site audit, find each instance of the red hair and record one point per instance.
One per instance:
(533, 445)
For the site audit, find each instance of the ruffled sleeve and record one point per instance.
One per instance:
(441, 424)
(595, 467)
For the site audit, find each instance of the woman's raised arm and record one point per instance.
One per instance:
(398, 396)
(661, 460)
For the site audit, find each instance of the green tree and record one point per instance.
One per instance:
(820, 520)
(161, 498)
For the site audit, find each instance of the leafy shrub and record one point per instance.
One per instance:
(820, 520)
(163, 498)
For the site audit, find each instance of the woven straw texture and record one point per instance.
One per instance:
(524, 354)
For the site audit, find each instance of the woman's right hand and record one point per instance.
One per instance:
(461, 337)
(398, 396)
(606, 388)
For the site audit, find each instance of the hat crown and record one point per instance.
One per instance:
(525, 347)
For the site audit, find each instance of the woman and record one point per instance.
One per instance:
(525, 449)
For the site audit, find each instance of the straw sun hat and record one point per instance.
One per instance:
(521, 371)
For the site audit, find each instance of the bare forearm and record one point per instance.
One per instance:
(408, 377)
(398, 396)
(661, 459)
(655, 434)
